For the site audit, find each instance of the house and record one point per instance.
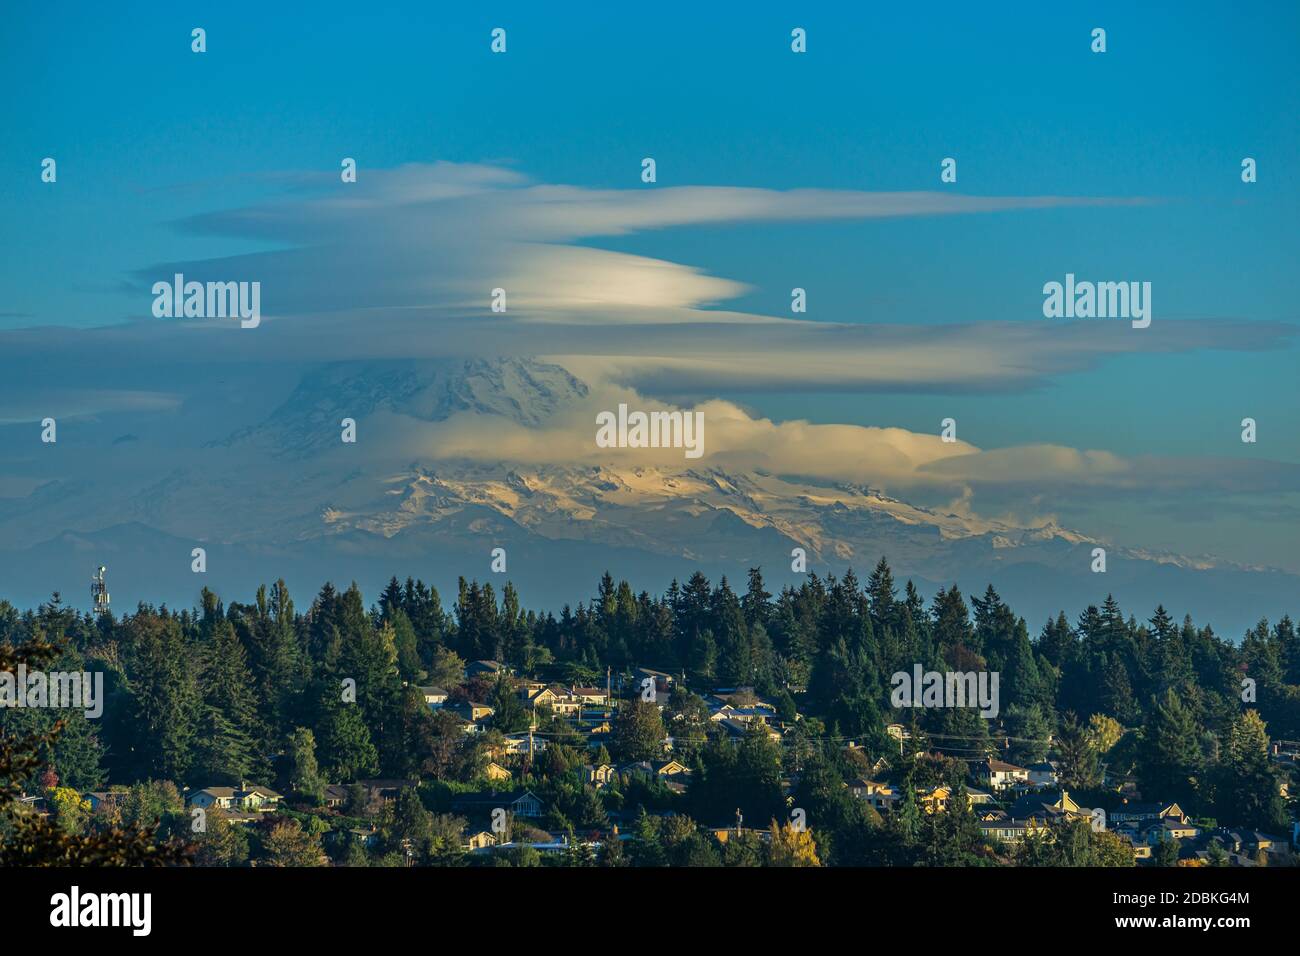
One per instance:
(745, 715)
(977, 798)
(557, 699)
(1009, 832)
(367, 837)
(756, 712)
(259, 798)
(664, 682)
(488, 669)
(861, 787)
(999, 774)
(1248, 841)
(520, 803)
(1243, 848)
(590, 696)
(495, 771)
(223, 798)
(103, 799)
(435, 697)
(521, 743)
(881, 796)
(1043, 774)
(386, 790)
(741, 699)
(466, 726)
(480, 840)
(1169, 829)
(670, 768)
(934, 799)
(661, 770)
(244, 798)
(738, 728)
(542, 842)
(1040, 806)
(600, 776)
(336, 795)
(1141, 851)
(1141, 813)
(474, 712)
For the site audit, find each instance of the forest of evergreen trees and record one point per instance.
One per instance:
(232, 692)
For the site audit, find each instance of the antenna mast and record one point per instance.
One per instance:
(99, 592)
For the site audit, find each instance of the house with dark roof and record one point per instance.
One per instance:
(733, 727)
(386, 790)
(663, 681)
(485, 669)
(335, 794)
(104, 800)
(1168, 828)
(1146, 812)
(1042, 806)
(1043, 774)
(1010, 832)
(474, 711)
(590, 696)
(520, 803)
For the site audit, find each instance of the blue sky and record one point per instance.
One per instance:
(147, 133)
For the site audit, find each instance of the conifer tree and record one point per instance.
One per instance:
(166, 702)
(304, 772)
(225, 752)
(1171, 759)
(1249, 794)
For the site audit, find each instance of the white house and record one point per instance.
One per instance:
(998, 774)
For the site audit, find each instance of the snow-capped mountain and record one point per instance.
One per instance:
(277, 497)
(523, 391)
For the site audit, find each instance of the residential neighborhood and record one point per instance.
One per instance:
(555, 754)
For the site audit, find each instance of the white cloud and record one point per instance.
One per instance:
(401, 267)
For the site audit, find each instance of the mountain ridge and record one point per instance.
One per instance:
(304, 505)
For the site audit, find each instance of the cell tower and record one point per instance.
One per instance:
(99, 592)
